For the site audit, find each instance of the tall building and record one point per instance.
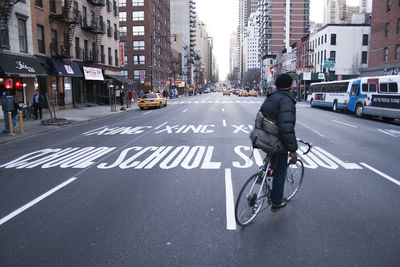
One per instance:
(282, 23)
(340, 12)
(250, 44)
(234, 56)
(183, 27)
(384, 45)
(145, 35)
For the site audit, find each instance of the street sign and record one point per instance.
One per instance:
(307, 76)
(321, 76)
(329, 64)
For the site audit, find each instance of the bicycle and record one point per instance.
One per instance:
(27, 111)
(257, 189)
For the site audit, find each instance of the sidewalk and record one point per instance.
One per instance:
(73, 116)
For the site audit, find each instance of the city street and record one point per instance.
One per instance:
(156, 187)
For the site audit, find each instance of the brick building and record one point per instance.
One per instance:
(384, 49)
(145, 35)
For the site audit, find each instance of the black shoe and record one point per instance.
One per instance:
(283, 204)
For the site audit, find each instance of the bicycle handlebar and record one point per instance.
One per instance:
(306, 143)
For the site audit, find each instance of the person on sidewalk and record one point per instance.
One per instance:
(14, 113)
(38, 104)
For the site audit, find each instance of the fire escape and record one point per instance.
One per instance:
(5, 12)
(70, 18)
(97, 27)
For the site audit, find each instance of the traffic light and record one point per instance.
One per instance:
(18, 85)
(271, 70)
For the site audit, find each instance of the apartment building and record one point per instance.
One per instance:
(384, 48)
(78, 41)
(145, 37)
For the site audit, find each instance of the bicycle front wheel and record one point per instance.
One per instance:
(250, 200)
(294, 178)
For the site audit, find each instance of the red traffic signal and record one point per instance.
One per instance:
(18, 84)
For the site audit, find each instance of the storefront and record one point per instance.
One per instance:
(64, 78)
(121, 86)
(20, 76)
(94, 90)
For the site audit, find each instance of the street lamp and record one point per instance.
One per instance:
(152, 37)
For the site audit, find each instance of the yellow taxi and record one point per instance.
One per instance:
(152, 100)
(253, 93)
(243, 93)
(226, 92)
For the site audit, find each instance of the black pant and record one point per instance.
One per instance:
(37, 108)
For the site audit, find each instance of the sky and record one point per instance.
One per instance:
(221, 18)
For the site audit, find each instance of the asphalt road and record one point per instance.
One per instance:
(152, 187)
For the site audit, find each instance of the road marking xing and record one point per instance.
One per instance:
(35, 201)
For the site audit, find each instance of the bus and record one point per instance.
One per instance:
(334, 95)
(376, 96)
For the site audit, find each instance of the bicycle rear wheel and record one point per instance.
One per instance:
(248, 203)
(294, 178)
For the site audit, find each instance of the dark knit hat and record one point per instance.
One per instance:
(283, 82)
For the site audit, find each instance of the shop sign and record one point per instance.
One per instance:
(321, 76)
(121, 49)
(93, 74)
(69, 69)
(21, 65)
(307, 76)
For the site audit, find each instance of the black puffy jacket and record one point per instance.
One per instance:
(280, 108)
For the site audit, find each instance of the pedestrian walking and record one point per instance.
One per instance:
(38, 104)
(121, 97)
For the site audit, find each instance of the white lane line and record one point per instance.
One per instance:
(184, 110)
(386, 132)
(35, 201)
(158, 127)
(223, 110)
(224, 123)
(381, 173)
(350, 125)
(230, 204)
(147, 112)
(315, 131)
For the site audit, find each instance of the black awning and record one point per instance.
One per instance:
(21, 66)
(64, 68)
(120, 79)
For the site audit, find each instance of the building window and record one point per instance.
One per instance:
(116, 57)
(385, 54)
(39, 3)
(40, 38)
(115, 8)
(388, 5)
(137, 2)
(139, 60)
(333, 39)
(398, 25)
(365, 39)
(108, 4)
(397, 53)
(53, 6)
(325, 37)
(4, 41)
(109, 56)
(138, 30)
(54, 42)
(364, 57)
(136, 74)
(386, 30)
(138, 45)
(122, 3)
(124, 73)
(137, 15)
(123, 31)
(122, 16)
(332, 55)
(23, 47)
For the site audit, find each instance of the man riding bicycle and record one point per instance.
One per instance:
(280, 108)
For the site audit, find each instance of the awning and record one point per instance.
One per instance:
(121, 79)
(64, 68)
(21, 66)
(94, 74)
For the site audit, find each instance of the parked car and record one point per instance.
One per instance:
(152, 100)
